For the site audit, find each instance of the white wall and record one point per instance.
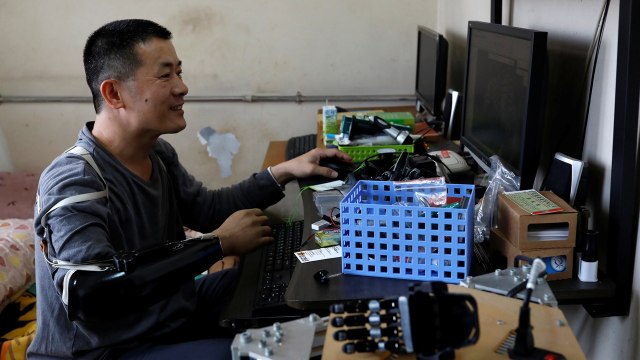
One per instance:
(229, 48)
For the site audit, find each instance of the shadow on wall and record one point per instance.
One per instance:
(5, 157)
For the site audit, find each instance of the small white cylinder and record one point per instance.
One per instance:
(588, 271)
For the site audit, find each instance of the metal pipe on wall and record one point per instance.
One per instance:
(298, 98)
(45, 99)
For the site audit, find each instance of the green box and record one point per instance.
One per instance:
(360, 153)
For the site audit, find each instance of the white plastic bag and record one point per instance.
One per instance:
(500, 180)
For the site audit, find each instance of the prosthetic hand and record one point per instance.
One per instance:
(429, 322)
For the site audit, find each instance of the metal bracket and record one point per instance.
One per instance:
(296, 339)
(502, 281)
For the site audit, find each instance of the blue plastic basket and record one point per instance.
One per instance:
(386, 232)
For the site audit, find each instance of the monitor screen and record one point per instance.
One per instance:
(504, 97)
(431, 70)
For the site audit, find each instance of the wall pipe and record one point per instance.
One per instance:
(298, 98)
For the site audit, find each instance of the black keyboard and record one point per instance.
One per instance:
(299, 145)
(278, 262)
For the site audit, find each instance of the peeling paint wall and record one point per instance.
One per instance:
(229, 48)
(220, 146)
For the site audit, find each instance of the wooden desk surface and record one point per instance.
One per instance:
(498, 315)
(275, 153)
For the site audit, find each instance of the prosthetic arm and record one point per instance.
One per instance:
(131, 280)
(137, 279)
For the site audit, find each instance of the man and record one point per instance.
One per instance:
(135, 79)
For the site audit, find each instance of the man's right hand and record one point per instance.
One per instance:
(244, 231)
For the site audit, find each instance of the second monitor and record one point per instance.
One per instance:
(431, 71)
(504, 97)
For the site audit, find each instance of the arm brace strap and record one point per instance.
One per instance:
(132, 280)
(137, 279)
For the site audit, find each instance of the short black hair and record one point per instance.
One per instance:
(110, 52)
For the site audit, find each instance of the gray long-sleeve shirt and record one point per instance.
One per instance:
(136, 214)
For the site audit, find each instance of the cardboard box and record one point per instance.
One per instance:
(559, 261)
(526, 231)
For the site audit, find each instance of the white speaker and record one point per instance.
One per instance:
(566, 178)
(451, 115)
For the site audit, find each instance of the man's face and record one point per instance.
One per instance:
(155, 96)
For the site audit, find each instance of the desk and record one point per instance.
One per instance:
(568, 291)
(275, 153)
(498, 314)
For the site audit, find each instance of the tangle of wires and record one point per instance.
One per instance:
(389, 167)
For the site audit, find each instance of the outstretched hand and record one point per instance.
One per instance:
(244, 231)
(308, 164)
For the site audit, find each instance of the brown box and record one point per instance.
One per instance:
(502, 245)
(519, 226)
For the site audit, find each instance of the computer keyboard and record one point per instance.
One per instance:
(278, 263)
(299, 145)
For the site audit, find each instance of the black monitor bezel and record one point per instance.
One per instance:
(532, 128)
(440, 84)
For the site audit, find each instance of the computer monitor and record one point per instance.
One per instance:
(431, 71)
(504, 97)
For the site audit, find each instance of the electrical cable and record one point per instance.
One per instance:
(439, 161)
(332, 218)
(367, 164)
(297, 208)
(601, 25)
(424, 132)
(592, 54)
(306, 241)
